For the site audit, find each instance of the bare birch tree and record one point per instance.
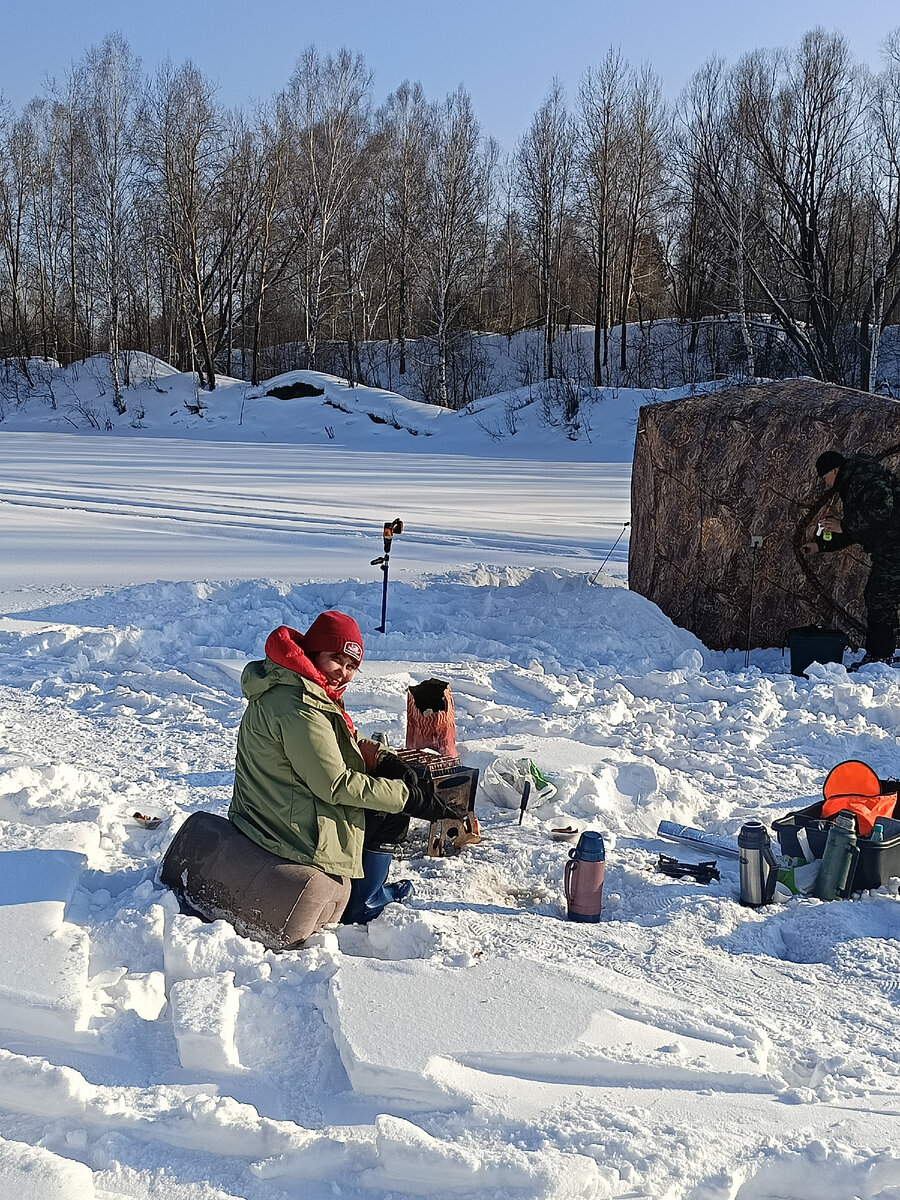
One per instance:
(794, 124)
(454, 199)
(326, 108)
(646, 125)
(601, 138)
(270, 196)
(109, 104)
(187, 149)
(405, 121)
(881, 302)
(544, 167)
(715, 160)
(16, 153)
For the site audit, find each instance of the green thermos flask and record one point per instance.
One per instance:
(835, 877)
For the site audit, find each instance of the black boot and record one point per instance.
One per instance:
(881, 642)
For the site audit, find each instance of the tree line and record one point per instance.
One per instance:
(139, 213)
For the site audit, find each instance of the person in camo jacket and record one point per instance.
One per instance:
(870, 496)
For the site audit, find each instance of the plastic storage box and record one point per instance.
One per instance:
(810, 643)
(878, 861)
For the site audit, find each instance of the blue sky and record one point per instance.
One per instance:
(505, 52)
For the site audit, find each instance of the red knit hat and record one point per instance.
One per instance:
(335, 632)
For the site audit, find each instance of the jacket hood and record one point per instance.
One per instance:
(285, 653)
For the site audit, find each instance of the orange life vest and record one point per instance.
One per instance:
(854, 786)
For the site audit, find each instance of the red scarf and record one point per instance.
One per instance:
(284, 646)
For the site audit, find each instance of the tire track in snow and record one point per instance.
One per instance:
(220, 521)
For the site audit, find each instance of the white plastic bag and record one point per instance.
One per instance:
(503, 783)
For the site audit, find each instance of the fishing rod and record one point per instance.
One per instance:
(612, 547)
(391, 530)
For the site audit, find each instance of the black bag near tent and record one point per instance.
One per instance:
(811, 643)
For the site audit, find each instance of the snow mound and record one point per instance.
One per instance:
(31, 1173)
(520, 423)
(45, 960)
(204, 1017)
(481, 1045)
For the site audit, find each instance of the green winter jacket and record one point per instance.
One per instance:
(300, 781)
(870, 496)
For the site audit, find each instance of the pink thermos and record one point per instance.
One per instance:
(584, 877)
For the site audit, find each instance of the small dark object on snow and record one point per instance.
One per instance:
(565, 833)
(147, 822)
(526, 792)
(295, 391)
(703, 872)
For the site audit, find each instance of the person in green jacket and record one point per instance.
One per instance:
(307, 789)
(870, 501)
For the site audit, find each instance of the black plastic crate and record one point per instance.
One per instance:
(811, 643)
(878, 861)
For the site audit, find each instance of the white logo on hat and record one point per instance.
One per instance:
(354, 649)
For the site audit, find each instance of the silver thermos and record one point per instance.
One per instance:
(758, 864)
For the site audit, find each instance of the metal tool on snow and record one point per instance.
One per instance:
(698, 838)
(702, 872)
(526, 792)
(625, 525)
(391, 529)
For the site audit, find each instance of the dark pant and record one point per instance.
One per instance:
(384, 831)
(882, 597)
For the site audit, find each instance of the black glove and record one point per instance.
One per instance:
(389, 766)
(422, 801)
(425, 803)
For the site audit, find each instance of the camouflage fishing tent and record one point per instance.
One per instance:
(713, 471)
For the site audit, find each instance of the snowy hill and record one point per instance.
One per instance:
(525, 422)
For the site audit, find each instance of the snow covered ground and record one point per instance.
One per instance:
(102, 509)
(471, 1042)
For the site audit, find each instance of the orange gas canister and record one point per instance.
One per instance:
(854, 786)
